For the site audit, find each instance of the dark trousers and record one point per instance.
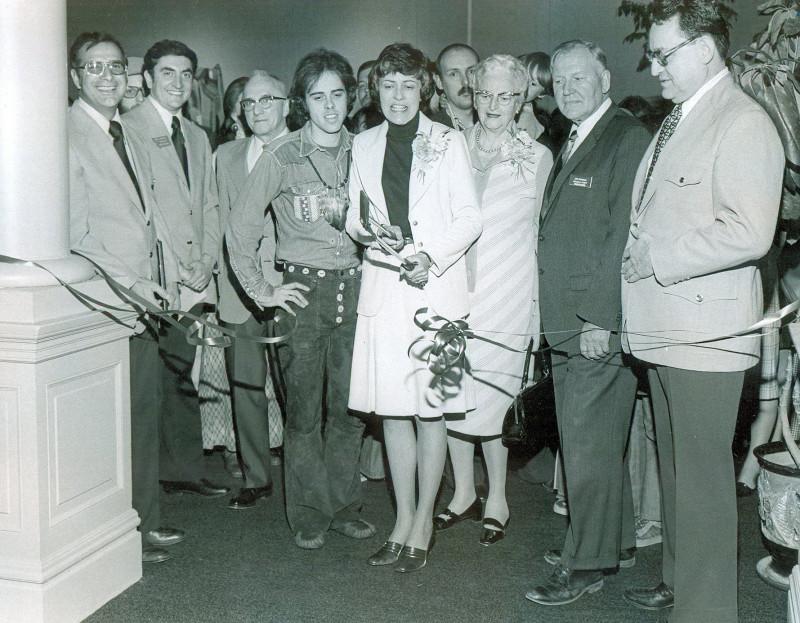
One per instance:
(695, 415)
(247, 375)
(594, 406)
(321, 462)
(180, 425)
(145, 375)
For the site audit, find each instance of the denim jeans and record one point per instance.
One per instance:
(321, 461)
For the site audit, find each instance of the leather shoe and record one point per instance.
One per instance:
(248, 496)
(627, 558)
(743, 490)
(493, 531)
(414, 558)
(448, 518)
(650, 597)
(202, 487)
(231, 462)
(314, 542)
(355, 529)
(164, 537)
(386, 555)
(155, 554)
(565, 586)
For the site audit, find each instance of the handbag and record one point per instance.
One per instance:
(530, 420)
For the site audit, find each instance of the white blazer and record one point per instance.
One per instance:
(443, 213)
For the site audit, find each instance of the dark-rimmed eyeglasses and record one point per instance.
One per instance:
(132, 92)
(504, 99)
(96, 68)
(662, 58)
(265, 102)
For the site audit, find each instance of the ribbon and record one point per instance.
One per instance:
(145, 308)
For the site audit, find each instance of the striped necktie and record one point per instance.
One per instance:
(573, 136)
(115, 130)
(667, 130)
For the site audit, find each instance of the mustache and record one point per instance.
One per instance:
(465, 90)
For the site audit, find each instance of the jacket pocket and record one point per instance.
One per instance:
(705, 289)
(580, 282)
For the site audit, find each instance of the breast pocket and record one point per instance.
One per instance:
(307, 201)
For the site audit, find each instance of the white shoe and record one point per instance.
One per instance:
(560, 507)
(647, 532)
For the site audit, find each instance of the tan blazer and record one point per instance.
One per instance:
(710, 209)
(107, 221)
(191, 212)
(234, 304)
(444, 215)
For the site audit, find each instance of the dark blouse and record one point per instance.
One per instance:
(397, 172)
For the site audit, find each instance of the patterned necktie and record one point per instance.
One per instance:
(573, 136)
(180, 146)
(667, 129)
(115, 130)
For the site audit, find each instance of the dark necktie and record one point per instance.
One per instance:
(565, 156)
(115, 130)
(667, 129)
(180, 146)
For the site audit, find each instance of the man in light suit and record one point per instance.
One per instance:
(705, 204)
(113, 219)
(186, 190)
(581, 238)
(265, 107)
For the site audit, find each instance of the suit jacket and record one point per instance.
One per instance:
(583, 228)
(710, 210)
(443, 213)
(108, 223)
(234, 303)
(191, 212)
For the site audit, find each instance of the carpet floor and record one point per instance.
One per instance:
(243, 566)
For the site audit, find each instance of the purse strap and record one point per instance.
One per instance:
(527, 365)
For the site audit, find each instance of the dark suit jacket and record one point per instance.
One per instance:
(584, 226)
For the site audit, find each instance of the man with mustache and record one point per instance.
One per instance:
(456, 66)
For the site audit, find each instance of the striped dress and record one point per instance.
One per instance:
(504, 300)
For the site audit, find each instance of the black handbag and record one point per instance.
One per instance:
(531, 419)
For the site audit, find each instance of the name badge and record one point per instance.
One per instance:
(162, 141)
(580, 182)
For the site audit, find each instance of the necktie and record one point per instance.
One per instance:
(667, 129)
(180, 146)
(115, 130)
(573, 136)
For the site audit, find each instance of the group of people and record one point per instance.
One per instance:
(615, 246)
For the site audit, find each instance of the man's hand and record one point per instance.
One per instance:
(418, 275)
(150, 291)
(636, 262)
(594, 341)
(395, 237)
(197, 275)
(283, 295)
(174, 298)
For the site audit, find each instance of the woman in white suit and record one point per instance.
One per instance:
(417, 177)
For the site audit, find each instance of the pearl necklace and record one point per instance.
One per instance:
(480, 147)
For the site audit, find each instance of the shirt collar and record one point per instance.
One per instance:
(96, 115)
(166, 116)
(308, 146)
(588, 124)
(692, 101)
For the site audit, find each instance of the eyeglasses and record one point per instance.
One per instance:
(132, 92)
(503, 99)
(265, 102)
(96, 68)
(662, 58)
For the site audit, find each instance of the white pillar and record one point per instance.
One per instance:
(68, 539)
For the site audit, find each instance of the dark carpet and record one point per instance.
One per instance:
(243, 566)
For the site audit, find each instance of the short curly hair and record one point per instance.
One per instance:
(405, 59)
(167, 47)
(308, 73)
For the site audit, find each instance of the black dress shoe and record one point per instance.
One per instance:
(155, 554)
(565, 586)
(448, 518)
(650, 597)
(743, 490)
(414, 558)
(627, 559)
(164, 537)
(493, 531)
(248, 496)
(386, 555)
(202, 487)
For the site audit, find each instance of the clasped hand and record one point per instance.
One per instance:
(595, 341)
(418, 275)
(196, 275)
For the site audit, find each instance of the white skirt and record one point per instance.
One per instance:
(390, 375)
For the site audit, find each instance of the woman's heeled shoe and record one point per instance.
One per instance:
(414, 558)
(493, 531)
(386, 555)
(448, 518)
(743, 490)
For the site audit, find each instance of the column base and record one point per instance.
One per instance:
(72, 269)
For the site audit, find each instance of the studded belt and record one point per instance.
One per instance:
(336, 273)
